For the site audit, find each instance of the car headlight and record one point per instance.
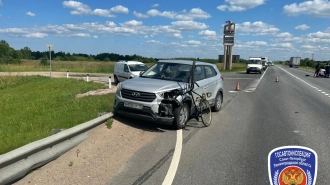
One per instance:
(118, 89)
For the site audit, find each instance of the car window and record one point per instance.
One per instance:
(169, 71)
(126, 68)
(199, 73)
(209, 71)
(138, 67)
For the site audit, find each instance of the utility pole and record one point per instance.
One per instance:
(313, 57)
(49, 47)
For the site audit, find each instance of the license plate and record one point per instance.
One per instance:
(133, 105)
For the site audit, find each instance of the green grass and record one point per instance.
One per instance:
(86, 67)
(31, 106)
(61, 66)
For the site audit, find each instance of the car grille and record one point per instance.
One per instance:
(138, 95)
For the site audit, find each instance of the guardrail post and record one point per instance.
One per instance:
(109, 82)
(87, 77)
(67, 74)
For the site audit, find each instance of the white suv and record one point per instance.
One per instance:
(150, 97)
(128, 69)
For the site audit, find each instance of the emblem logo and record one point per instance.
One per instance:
(292, 165)
(135, 94)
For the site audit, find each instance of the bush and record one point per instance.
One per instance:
(44, 61)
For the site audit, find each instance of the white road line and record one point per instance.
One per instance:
(304, 82)
(175, 160)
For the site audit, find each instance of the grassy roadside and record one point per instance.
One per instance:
(31, 106)
(85, 67)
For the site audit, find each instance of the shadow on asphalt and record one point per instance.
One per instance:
(154, 127)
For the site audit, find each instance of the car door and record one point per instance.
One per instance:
(120, 73)
(212, 81)
(201, 81)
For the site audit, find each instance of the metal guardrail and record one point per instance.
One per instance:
(17, 163)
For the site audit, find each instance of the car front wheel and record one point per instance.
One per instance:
(181, 115)
(217, 103)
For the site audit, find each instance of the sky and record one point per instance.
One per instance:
(277, 29)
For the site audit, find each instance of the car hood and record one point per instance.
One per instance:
(136, 73)
(254, 65)
(150, 85)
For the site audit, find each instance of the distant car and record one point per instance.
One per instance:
(127, 70)
(254, 65)
(264, 64)
(270, 64)
(141, 98)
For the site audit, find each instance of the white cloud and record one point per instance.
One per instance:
(240, 5)
(319, 35)
(30, 14)
(256, 43)
(140, 15)
(307, 47)
(174, 35)
(83, 9)
(283, 35)
(166, 14)
(35, 35)
(79, 8)
(207, 33)
(80, 35)
(119, 9)
(95, 36)
(195, 13)
(132, 23)
(1, 3)
(302, 27)
(319, 8)
(188, 25)
(103, 13)
(154, 5)
(283, 45)
(256, 28)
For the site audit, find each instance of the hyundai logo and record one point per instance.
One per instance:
(135, 94)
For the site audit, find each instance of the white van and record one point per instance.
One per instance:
(254, 64)
(128, 69)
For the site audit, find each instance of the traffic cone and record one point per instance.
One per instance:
(237, 86)
(277, 79)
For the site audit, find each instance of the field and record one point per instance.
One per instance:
(31, 106)
(85, 67)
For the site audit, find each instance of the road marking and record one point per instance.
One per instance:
(175, 160)
(305, 82)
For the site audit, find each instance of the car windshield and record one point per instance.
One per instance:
(138, 67)
(169, 71)
(254, 62)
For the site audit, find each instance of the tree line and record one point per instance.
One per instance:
(9, 55)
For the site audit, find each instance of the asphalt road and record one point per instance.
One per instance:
(264, 115)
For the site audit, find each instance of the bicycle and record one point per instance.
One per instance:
(203, 110)
(202, 107)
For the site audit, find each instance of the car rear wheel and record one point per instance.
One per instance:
(181, 115)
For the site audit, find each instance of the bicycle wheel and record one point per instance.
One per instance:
(205, 112)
